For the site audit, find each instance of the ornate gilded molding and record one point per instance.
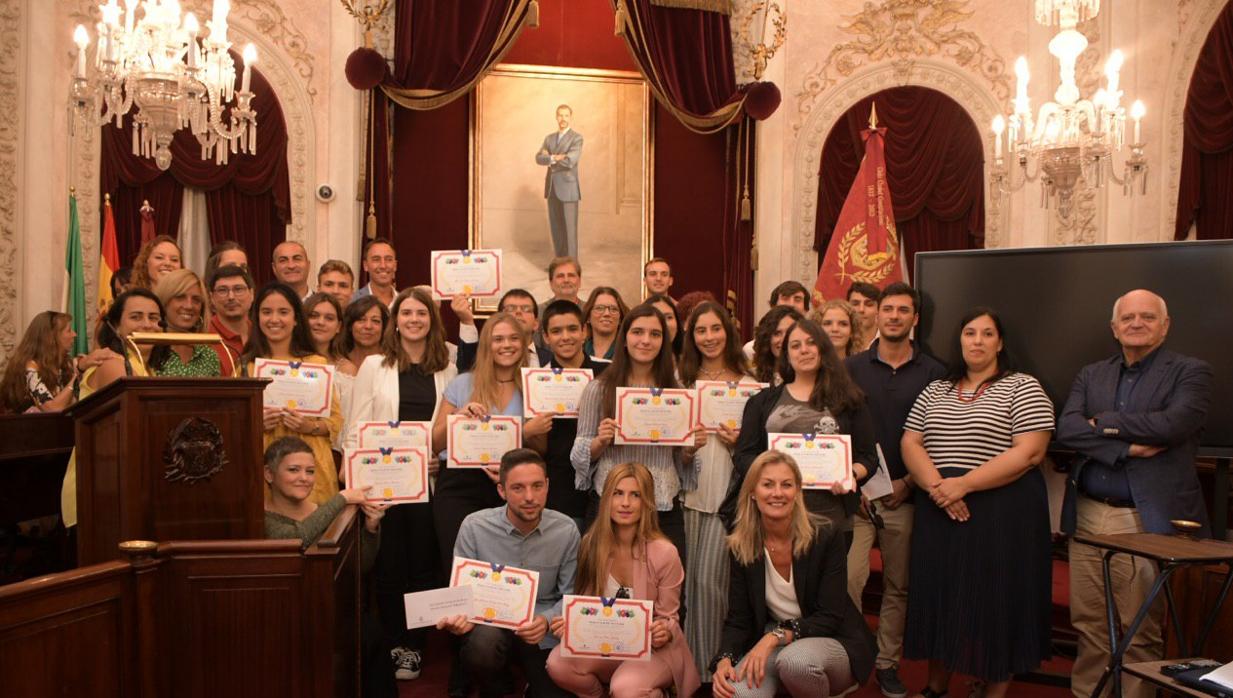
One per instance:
(1199, 17)
(902, 33)
(955, 81)
(287, 63)
(11, 98)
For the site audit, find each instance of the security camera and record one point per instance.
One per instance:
(325, 193)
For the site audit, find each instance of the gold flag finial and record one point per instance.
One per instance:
(873, 116)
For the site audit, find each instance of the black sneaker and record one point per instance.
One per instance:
(406, 663)
(889, 683)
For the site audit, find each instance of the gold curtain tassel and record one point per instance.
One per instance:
(370, 225)
(533, 14)
(622, 17)
(746, 213)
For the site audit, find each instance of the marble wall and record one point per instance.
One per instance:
(836, 52)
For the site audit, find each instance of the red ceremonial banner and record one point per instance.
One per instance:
(865, 244)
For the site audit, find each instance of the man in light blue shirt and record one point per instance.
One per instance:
(520, 534)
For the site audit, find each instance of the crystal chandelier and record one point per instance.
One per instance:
(1069, 138)
(149, 57)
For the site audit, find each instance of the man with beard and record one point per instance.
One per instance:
(892, 373)
(563, 333)
(520, 534)
(231, 296)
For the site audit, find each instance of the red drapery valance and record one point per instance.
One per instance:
(248, 199)
(934, 164)
(1205, 192)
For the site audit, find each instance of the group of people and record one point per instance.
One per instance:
(756, 581)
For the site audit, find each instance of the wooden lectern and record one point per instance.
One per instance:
(168, 459)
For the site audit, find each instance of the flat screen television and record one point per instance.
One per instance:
(1056, 304)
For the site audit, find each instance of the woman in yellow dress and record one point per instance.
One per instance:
(280, 331)
(136, 310)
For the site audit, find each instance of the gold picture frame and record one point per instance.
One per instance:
(512, 108)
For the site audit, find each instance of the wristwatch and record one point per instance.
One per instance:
(781, 636)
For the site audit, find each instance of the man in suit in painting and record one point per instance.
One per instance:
(560, 153)
(1135, 420)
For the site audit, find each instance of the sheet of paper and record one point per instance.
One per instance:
(396, 475)
(554, 391)
(655, 416)
(601, 628)
(824, 459)
(394, 435)
(879, 485)
(479, 443)
(721, 402)
(305, 387)
(504, 596)
(425, 608)
(1221, 677)
(476, 273)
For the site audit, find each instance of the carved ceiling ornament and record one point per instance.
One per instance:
(1199, 16)
(959, 84)
(10, 155)
(902, 33)
(287, 64)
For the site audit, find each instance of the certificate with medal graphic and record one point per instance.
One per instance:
(394, 435)
(300, 386)
(655, 416)
(603, 628)
(824, 459)
(502, 596)
(479, 443)
(466, 272)
(723, 402)
(397, 475)
(554, 391)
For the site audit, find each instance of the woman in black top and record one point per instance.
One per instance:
(817, 396)
(790, 625)
(404, 383)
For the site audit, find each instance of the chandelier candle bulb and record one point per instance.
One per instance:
(999, 125)
(190, 26)
(1137, 110)
(82, 39)
(250, 57)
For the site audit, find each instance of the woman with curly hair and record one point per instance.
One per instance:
(158, 256)
(842, 325)
(768, 339)
(39, 375)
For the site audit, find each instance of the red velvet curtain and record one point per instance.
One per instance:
(1205, 192)
(934, 164)
(248, 199)
(686, 56)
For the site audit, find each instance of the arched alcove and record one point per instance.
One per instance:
(934, 158)
(964, 88)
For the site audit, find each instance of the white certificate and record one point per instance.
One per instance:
(554, 391)
(721, 402)
(824, 459)
(425, 608)
(459, 272)
(655, 416)
(504, 596)
(300, 386)
(479, 443)
(394, 435)
(601, 628)
(397, 475)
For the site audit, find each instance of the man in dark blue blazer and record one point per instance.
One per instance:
(1135, 420)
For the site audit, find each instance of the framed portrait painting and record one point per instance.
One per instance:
(561, 165)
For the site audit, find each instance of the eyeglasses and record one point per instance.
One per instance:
(517, 309)
(606, 309)
(237, 291)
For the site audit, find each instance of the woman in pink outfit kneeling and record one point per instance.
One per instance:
(625, 555)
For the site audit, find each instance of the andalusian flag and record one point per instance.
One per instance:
(109, 258)
(75, 282)
(865, 245)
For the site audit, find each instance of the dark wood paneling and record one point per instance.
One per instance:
(1195, 590)
(68, 635)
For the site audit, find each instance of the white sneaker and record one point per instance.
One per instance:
(406, 663)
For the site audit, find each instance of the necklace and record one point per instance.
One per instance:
(976, 394)
(711, 375)
(508, 381)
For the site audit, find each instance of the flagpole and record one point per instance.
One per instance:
(64, 290)
(873, 116)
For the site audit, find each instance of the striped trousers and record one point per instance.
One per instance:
(706, 585)
(815, 667)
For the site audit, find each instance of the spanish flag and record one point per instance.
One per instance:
(109, 258)
(865, 245)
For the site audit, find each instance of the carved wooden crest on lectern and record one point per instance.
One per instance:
(194, 451)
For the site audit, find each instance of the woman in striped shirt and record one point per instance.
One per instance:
(979, 600)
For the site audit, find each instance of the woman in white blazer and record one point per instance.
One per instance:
(404, 383)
